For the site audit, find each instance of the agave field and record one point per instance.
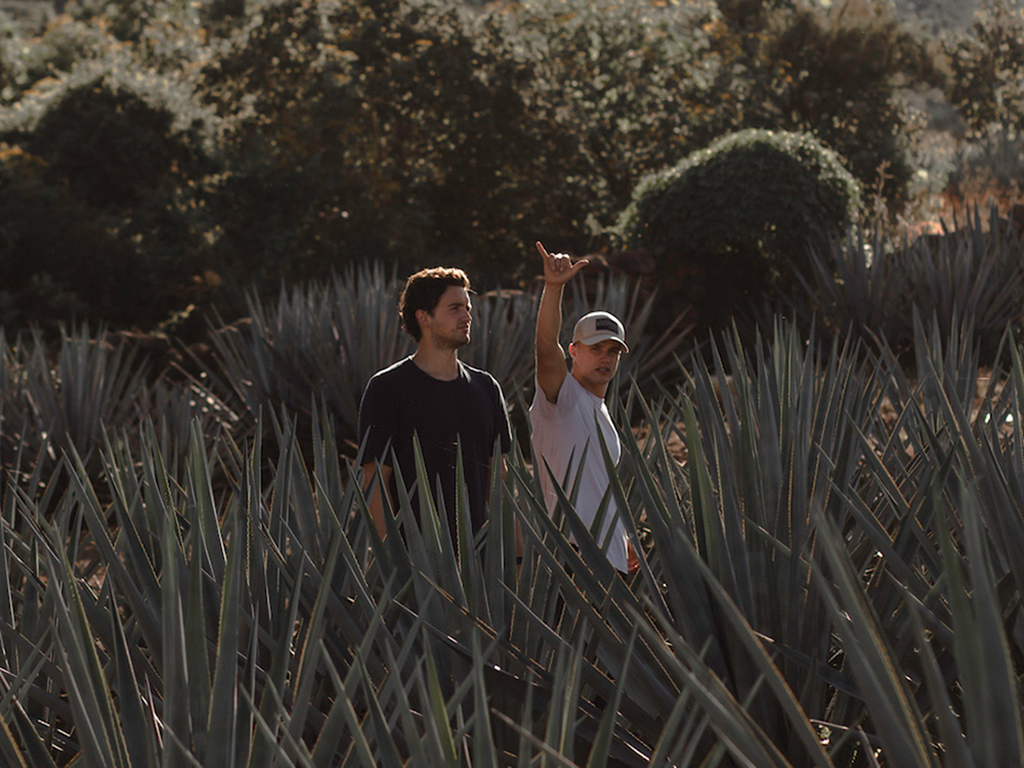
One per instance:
(830, 531)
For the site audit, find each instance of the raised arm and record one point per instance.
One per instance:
(551, 368)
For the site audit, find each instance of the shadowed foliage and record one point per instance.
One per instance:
(732, 224)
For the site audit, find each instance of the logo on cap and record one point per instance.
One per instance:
(595, 327)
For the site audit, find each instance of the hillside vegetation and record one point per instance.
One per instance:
(184, 151)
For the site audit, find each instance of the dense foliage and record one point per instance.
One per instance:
(86, 239)
(838, 74)
(735, 222)
(987, 90)
(191, 576)
(988, 67)
(279, 141)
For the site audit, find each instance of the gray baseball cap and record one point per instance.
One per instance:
(595, 327)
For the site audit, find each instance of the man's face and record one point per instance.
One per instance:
(596, 364)
(449, 323)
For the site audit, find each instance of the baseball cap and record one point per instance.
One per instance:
(598, 326)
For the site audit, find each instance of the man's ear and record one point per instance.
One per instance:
(422, 317)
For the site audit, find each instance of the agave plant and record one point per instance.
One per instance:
(322, 341)
(56, 401)
(829, 578)
(826, 498)
(872, 283)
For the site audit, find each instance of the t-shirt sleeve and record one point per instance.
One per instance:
(554, 411)
(378, 423)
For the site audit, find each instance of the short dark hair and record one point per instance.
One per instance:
(423, 291)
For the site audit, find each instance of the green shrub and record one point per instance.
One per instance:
(58, 260)
(424, 131)
(616, 89)
(34, 53)
(68, 397)
(375, 129)
(836, 70)
(986, 87)
(98, 208)
(109, 146)
(10, 43)
(165, 34)
(735, 221)
(987, 68)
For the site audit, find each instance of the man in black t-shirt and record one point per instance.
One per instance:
(434, 396)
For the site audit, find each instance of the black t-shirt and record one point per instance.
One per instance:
(402, 400)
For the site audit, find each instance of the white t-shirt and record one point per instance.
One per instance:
(561, 430)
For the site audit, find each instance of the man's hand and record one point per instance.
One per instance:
(558, 268)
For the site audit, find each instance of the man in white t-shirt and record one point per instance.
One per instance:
(568, 410)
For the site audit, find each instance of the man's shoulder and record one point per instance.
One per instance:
(568, 393)
(393, 373)
(478, 375)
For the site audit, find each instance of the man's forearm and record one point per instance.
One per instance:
(551, 367)
(377, 491)
(549, 320)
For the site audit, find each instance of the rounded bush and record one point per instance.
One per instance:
(97, 214)
(734, 222)
(109, 145)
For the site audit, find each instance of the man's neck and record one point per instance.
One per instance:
(441, 364)
(595, 389)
